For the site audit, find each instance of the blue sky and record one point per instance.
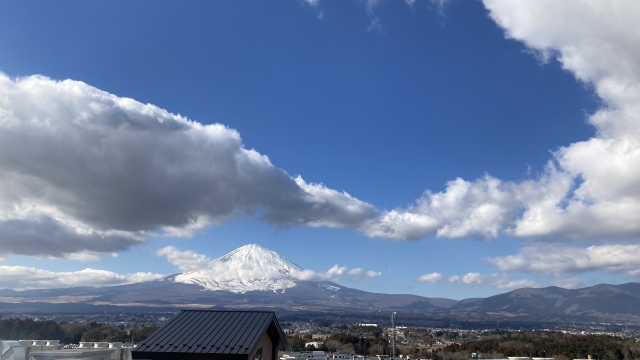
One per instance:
(381, 99)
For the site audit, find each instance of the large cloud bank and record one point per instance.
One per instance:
(85, 173)
(590, 189)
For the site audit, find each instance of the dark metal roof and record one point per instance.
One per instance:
(213, 332)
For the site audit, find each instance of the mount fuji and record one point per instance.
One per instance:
(248, 268)
(249, 277)
(255, 277)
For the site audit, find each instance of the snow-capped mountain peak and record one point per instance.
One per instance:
(259, 258)
(248, 268)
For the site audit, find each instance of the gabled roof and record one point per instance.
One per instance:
(213, 332)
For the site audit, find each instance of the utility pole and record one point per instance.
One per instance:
(393, 329)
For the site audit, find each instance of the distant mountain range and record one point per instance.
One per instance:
(607, 301)
(255, 277)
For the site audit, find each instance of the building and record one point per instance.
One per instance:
(51, 350)
(215, 335)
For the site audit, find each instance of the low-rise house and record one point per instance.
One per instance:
(215, 335)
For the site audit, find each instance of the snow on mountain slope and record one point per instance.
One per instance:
(247, 268)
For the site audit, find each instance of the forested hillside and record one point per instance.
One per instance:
(547, 344)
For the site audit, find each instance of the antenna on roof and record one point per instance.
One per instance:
(393, 329)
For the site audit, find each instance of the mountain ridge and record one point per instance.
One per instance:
(251, 267)
(255, 277)
(598, 300)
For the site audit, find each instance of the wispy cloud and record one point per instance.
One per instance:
(569, 283)
(357, 272)
(500, 281)
(184, 260)
(24, 278)
(440, 5)
(370, 7)
(552, 259)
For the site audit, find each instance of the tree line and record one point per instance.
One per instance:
(549, 344)
(71, 332)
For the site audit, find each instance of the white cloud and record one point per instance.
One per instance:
(372, 274)
(312, 2)
(500, 281)
(24, 278)
(356, 272)
(597, 42)
(556, 259)
(481, 208)
(432, 278)
(335, 270)
(184, 260)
